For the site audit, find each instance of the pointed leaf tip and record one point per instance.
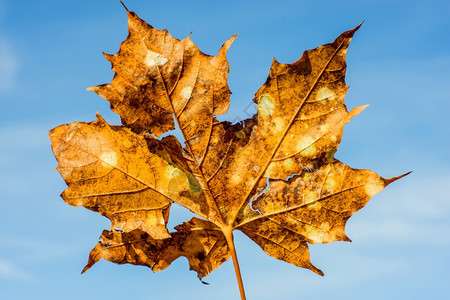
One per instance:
(357, 27)
(351, 32)
(223, 50)
(91, 88)
(87, 267)
(357, 110)
(317, 271)
(126, 8)
(108, 57)
(391, 180)
(100, 118)
(360, 24)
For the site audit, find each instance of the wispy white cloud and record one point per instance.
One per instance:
(11, 271)
(9, 64)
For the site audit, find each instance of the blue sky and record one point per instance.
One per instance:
(398, 62)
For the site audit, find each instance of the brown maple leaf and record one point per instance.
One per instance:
(274, 176)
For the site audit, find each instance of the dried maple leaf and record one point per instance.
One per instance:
(274, 177)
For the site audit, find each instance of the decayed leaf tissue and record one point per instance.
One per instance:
(274, 176)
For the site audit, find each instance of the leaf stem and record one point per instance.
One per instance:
(229, 236)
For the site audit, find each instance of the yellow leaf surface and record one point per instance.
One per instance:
(112, 170)
(202, 243)
(273, 176)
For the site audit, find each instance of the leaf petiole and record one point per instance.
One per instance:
(228, 232)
